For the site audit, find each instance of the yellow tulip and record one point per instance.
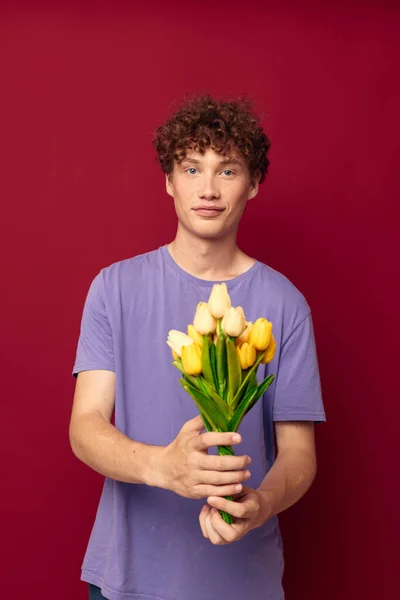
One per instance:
(260, 334)
(219, 301)
(234, 322)
(203, 321)
(176, 340)
(196, 337)
(270, 352)
(247, 355)
(191, 359)
(245, 335)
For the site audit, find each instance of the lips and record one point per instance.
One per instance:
(208, 208)
(208, 212)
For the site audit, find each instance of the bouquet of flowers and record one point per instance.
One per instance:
(218, 359)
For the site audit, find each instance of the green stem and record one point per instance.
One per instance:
(226, 451)
(220, 327)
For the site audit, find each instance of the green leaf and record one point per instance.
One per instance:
(206, 362)
(221, 365)
(261, 389)
(205, 388)
(234, 370)
(252, 383)
(192, 380)
(207, 425)
(222, 406)
(241, 391)
(213, 361)
(206, 406)
(241, 410)
(248, 402)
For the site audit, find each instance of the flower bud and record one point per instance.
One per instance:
(247, 355)
(177, 339)
(196, 337)
(203, 321)
(270, 351)
(234, 323)
(260, 334)
(245, 335)
(191, 359)
(219, 301)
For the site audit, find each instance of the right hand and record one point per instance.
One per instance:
(188, 469)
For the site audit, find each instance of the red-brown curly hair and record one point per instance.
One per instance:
(202, 121)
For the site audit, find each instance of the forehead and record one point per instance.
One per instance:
(211, 155)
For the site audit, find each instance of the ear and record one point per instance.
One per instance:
(168, 184)
(255, 181)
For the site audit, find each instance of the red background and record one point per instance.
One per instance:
(83, 90)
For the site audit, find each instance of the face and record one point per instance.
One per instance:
(210, 192)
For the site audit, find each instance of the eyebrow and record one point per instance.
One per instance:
(225, 161)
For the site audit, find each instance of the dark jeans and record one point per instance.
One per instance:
(95, 592)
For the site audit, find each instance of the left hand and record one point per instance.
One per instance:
(248, 508)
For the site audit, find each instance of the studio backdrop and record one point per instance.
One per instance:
(83, 90)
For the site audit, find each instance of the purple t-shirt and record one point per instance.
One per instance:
(146, 543)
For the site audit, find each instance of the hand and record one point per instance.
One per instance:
(191, 472)
(249, 510)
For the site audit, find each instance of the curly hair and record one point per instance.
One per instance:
(202, 121)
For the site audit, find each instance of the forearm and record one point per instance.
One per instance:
(101, 446)
(287, 481)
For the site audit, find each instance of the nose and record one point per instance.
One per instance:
(208, 189)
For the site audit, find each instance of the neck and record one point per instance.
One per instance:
(207, 258)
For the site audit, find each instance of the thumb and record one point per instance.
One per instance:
(193, 425)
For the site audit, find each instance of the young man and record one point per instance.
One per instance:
(158, 533)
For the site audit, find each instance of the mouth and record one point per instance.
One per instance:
(208, 211)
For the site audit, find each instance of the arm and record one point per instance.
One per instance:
(100, 445)
(293, 471)
(184, 466)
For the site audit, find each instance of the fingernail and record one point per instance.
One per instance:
(236, 437)
(211, 499)
(238, 487)
(247, 474)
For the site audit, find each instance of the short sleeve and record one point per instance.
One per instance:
(297, 394)
(95, 348)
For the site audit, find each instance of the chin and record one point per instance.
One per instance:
(209, 233)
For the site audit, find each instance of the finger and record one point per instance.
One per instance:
(224, 463)
(244, 492)
(240, 510)
(228, 533)
(202, 519)
(224, 477)
(212, 438)
(213, 535)
(205, 490)
(193, 425)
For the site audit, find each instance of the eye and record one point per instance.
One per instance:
(191, 169)
(228, 170)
